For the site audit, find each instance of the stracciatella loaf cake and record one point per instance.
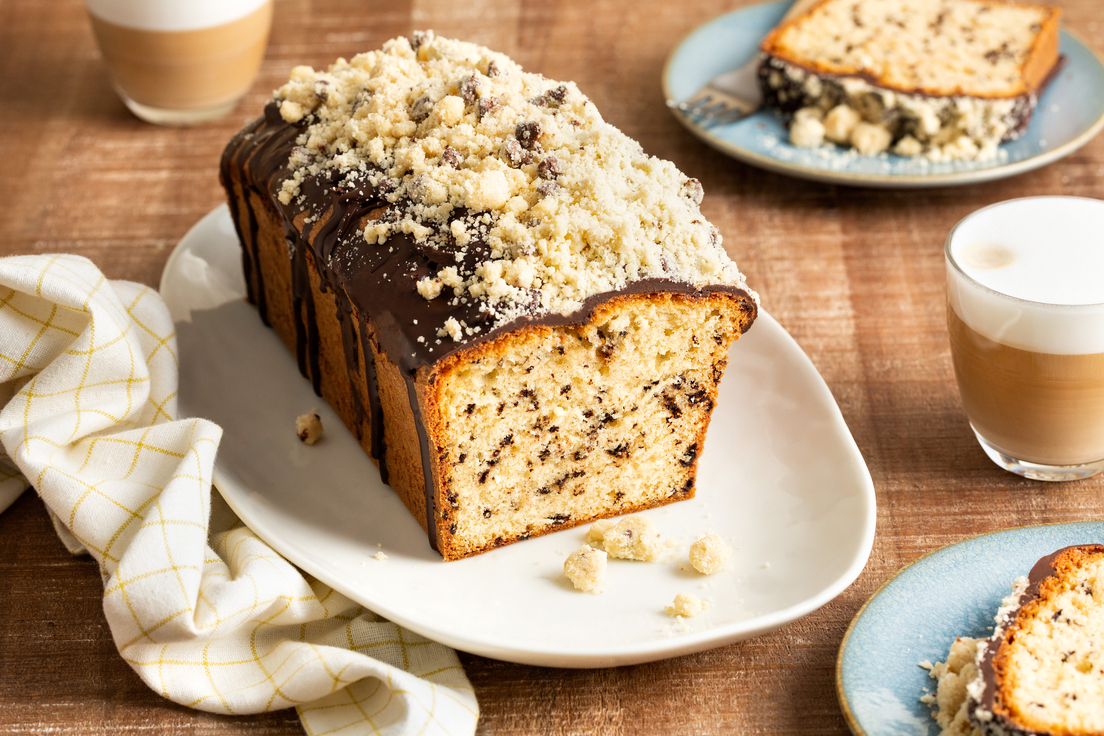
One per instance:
(947, 79)
(521, 316)
(1041, 672)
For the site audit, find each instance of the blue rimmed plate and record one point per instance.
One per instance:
(953, 591)
(1070, 113)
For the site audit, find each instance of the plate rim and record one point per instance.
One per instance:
(878, 181)
(620, 655)
(841, 695)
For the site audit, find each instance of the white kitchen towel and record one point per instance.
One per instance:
(206, 613)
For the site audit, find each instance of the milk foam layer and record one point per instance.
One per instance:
(172, 15)
(1028, 273)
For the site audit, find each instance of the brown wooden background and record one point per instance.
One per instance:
(855, 275)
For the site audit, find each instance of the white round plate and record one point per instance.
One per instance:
(781, 479)
(1070, 113)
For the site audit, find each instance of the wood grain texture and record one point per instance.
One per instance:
(855, 275)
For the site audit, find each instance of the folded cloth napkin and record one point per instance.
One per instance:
(204, 611)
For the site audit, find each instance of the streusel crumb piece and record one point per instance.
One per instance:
(585, 568)
(634, 538)
(686, 605)
(308, 427)
(952, 677)
(710, 554)
(597, 532)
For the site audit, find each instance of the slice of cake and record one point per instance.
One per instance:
(521, 316)
(1042, 670)
(949, 79)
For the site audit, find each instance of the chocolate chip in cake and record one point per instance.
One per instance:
(621, 451)
(689, 456)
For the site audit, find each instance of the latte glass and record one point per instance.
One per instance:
(178, 62)
(1025, 312)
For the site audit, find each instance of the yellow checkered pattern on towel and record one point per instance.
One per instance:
(208, 614)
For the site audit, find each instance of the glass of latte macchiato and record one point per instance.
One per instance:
(1025, 311)
(178, 62)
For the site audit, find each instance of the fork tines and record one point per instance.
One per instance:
(710, 107)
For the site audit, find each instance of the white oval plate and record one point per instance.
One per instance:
(781, 479)
(1070, 113)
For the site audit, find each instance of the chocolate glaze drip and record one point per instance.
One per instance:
(377, 280)
(990, 699)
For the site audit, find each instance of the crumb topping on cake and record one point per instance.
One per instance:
(529, 201)
(942, 47)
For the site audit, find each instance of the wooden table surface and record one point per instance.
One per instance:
(855, 275)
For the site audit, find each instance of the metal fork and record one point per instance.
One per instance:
(725, 98)
(733, 95)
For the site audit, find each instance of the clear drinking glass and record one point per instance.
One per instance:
(1025, 312)
(178, 62)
